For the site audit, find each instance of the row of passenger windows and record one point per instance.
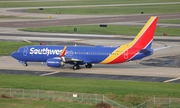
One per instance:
(93, 53)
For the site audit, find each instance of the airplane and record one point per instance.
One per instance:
(58, 56)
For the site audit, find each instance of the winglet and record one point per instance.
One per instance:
(63, 51)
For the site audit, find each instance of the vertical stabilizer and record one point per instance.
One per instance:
(145, 37)
(142, 41)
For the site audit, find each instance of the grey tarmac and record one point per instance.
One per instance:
(89, 20)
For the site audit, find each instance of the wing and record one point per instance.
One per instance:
(72, 59)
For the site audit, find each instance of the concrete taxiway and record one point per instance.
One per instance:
(130, 71)
(129, 68)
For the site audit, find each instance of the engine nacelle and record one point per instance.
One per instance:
(54, 62)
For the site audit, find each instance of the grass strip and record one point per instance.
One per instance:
(16, 17)
(173, 21)
(110, 30)
(25, 103)
(112, 10)
(4, 4)
(121, 91)
(7, 47)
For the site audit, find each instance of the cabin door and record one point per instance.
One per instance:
(126, 55)
(25, 51)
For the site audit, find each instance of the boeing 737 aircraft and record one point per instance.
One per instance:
(58, 56)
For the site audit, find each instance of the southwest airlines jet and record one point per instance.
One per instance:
(58, 56)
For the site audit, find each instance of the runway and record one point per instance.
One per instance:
(82, 21)
(153, 68)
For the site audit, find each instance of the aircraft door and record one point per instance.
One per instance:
(126, 54)
(25, 51)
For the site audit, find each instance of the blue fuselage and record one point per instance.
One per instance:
(88, 54)
(93, 54)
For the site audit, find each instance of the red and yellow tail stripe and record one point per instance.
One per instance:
(141, 41)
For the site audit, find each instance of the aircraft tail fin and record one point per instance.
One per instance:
(145, 37)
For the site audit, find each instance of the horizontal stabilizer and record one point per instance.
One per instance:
(146, 51)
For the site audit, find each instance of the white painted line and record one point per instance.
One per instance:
(163, 26)
(115, 19)
(49, 73)
(27, 41)
(47, 39)
(17, 24)
(172, 80)
(110, 19)
(97, 19)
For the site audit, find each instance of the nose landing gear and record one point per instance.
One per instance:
(25, 64)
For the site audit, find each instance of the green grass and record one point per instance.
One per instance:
(124, 91)
(113, 10)
(7, 47)
(173, 21)
(16, 17)
(110, 30)
(5, 4)
(23, 103)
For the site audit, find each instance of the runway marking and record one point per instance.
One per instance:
(49, 73)
(17, 24)
(172, 80)
(164, 26)
(109, 19)
(27, 41)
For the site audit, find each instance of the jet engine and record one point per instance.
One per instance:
(55, 62)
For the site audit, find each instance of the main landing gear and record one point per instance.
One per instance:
(88, 65)
(76, 66)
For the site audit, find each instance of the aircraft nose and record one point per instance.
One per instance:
(14, 55)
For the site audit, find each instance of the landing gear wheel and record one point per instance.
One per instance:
(88, 65)
(25, 64)
(75, 67)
